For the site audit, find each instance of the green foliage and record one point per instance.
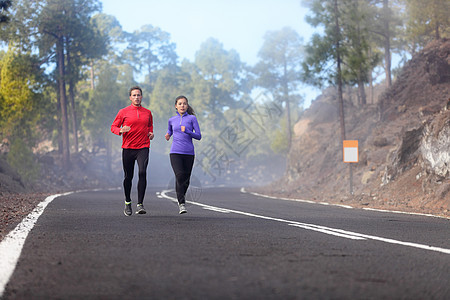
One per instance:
(280, 142)
(279, 72)
(384, 20)
(216, 79)
(102, 104)
(348, 40)
(427, 20)
(23, 30)
(280, 56)
(322, 49)
(4, 6)
(321, 52)
(149, 49)
(169, 83)
(20, 90)
(21, 158)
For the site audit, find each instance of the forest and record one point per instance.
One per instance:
(66, 68)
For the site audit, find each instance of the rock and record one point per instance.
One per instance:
(435, 146)
(380, 141)
(401, 108)
(366, 177)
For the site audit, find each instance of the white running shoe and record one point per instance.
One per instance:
(140, 209)
(182, 208)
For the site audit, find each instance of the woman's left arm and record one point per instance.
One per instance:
(196, 134)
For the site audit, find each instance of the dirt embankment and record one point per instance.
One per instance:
(404, 142)
(18, 197)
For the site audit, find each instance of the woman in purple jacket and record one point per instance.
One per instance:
(183, 127)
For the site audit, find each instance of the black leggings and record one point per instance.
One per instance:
(182, 167)
(129, 156)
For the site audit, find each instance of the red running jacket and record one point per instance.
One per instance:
(141, 122)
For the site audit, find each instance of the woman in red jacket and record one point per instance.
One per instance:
(135, 124)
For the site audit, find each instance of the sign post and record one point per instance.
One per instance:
(350, 153)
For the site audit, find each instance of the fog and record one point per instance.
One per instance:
(223, 165)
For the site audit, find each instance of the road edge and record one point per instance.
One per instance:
(243, 190)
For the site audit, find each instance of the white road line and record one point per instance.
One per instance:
(12, 244)
(319, 228)
(341, 205)
(347, 236)
(225, 211)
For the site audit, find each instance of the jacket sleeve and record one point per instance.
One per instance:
(169, 128)
(196, 134)
(150, 123)
(117, 124)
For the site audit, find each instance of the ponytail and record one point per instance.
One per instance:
(190, 110)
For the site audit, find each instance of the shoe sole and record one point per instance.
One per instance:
(125, 213)
(141, 212)
(183, 212)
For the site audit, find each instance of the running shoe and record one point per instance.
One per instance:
(182, 208)
(140, 209)
(127, 211)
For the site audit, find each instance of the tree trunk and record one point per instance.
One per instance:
(72, 102)
(387, 44)
(288, 107)
(339, 82)
(92, 75)
(58, 118)
(339, 72)
(74, 116)
(362, 91)
(370, 80)
(437, 35)
(63, 103)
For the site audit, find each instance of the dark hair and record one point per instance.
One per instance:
(190, 110)
(135, 88)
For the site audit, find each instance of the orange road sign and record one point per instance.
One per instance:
(350, 151)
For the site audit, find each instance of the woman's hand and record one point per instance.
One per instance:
(167, 136)
(151, 135)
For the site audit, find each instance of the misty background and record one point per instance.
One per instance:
(66, 68)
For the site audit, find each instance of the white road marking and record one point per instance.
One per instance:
(328, 231)
(319, 228)
(11, 246)
(341, 205)
(225, 211)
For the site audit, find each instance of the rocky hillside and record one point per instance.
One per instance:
(404, 142)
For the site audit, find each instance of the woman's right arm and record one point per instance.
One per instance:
(169, 131)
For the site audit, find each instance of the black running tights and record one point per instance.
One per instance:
(182, 167)
(129, 156)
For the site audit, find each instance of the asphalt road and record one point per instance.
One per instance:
(230, 245)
